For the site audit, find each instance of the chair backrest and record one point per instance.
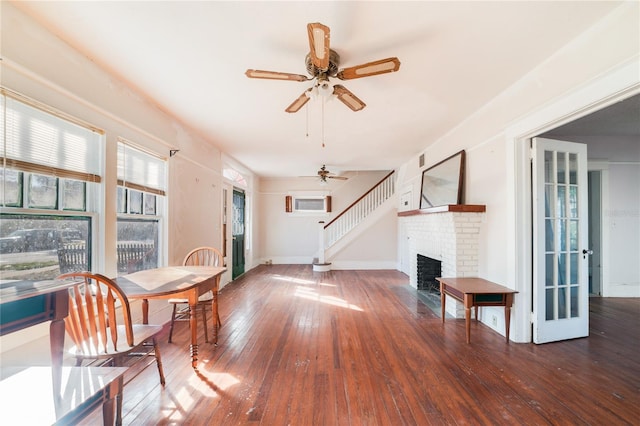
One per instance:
(93, 318)
(203, 256)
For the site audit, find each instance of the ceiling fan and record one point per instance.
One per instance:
(322, 63)
(325, 174)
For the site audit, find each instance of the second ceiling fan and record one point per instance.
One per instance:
(325, 174)
(322, 63)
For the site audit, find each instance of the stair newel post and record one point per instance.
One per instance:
(321, 265)
(321, 242)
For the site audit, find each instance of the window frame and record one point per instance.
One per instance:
(293, 200)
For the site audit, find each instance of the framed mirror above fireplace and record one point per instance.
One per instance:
(443, 183)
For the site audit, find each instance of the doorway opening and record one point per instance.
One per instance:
(595, 232)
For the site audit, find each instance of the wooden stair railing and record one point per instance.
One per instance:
(350, 217)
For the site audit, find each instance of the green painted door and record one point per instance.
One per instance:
(238, 233)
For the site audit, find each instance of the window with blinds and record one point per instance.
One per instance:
(38, 141)
(50, 164)
(139, 170)
(140, 206)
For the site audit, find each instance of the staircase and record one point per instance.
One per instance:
(334, 234)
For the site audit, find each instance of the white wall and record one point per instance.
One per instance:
(611, 44)
(623, 219)
(375, 248)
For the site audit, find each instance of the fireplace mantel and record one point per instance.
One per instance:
(454, 208)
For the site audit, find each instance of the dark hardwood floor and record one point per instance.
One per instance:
(360, 348)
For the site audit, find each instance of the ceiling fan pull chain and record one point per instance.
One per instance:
(307, 119)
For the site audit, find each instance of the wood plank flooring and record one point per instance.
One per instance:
(360, 348)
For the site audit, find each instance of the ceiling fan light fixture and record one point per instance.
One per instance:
(324, 89)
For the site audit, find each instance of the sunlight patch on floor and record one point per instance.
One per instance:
(301, 281)
(292, 279)
(209, 384)
(311, 294)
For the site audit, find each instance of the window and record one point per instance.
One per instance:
(49, 175)
(140, 204)
(38, 247)
(308, 204)
(234, 176)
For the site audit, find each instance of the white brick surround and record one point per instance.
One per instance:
(450, 237)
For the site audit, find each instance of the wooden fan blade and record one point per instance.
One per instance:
(348, 98)
(319, 45)
(274, 75)
(298, 103)
(338, 177)
(370, 68)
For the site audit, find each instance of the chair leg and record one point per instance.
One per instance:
(173, 321)
(156, 352)
(204, 322)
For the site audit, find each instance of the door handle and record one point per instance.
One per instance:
(586, 252)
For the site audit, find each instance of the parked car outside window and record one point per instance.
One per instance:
(24, 240)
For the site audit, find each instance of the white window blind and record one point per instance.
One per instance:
(141, 171)
(38, 141)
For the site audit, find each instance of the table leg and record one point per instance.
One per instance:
(113, 395)
(507, 314)
(443, 298)
(193, 322)
(56, 341)
(214, 311)
(468, 301)
(145, 311)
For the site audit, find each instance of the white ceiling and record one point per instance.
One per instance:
(190, 58)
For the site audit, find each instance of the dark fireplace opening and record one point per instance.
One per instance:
(428, 270)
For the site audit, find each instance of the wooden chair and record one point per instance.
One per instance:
(99, 324)
(201, 256)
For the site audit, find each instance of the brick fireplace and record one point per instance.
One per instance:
(449, 234)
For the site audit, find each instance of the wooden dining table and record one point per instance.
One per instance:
(188, 282)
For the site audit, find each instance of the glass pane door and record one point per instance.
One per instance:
(560, 223)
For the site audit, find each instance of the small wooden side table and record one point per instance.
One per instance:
(475, 292)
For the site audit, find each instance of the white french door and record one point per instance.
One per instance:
(560, 241)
